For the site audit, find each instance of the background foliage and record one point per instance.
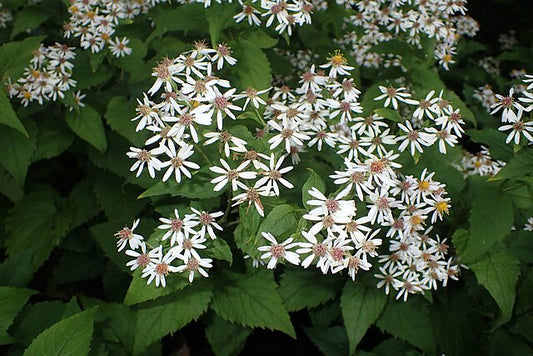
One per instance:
(66, 189)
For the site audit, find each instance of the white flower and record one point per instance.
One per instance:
(414, 138)
(381, 205)
(453, 121)
(273, 174)
(126, 236)
(276, 251)
(508, 104)
(388, 278)
(188, 246)
(159, 269)
(223, 53)
(178, 229)
(338, 64)
(427, 107)
(393, 95)
(517, 128)
(119, 47)
(288, 132)
(318, 250)
(443, 137)
(529, 225)
(252, 195)
(250, 13)
(231, 175)
(143, 157)
(252, 95)
(221, 103)
(143, 259)
(178, 162)
(207, 222)
(194, 265)
(225, 139)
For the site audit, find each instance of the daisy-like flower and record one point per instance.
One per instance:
(409, 285)
(178, 162)
(194, 265)
(414, 138)
(338, 64)
(338, 252)
(250, 13)
(278, 251)
(231, 175)
(381, 205)
(178, 228)
(344, 108)
(208, 222)
(371, 125)
(252, 195)
(393, 95)
(334, 206)
(143, 259)
(427, 107)
(509, 105)
(377, 142)
(272, 174)
(289, 133)
(452, 122)
(518, 128)
(321, 136)
(119, 47)
(126, 236)
(350, 144)
(443, 136)
(221, 103)
(353, 263)
(319, 250)
(529, 225)
(225, 139)
(251, 94)
(145, 157)
(223, 53)
(357, 230)
(311, 81)
(389, 278)
(165, 77)
(188, 246)
(159, 269)
(146, 113)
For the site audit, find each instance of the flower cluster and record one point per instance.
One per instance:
(374, 22)
(512, 112)
(480, 163)
(5, 16)
(178, 249)
(47, 77)
(94, 22)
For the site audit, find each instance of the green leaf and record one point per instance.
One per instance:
(331, 341)
(306, 288)
(219, 250)
(168, 314)
(519, 166)
(53, 138)
(225, 338)
(281, 222)
(13, 299)
(495, 140)
(103, 234)
(187, 17)
(88, 125)
(261, 39)
(409, 321)
(9, 187)
(252, 300)
(252, 68)
(139, 291)
(219, 16)
(71, 336)
(198, 187)
(15, 56)
(118, 116)
(361, 306)
(17, 151)
(491, 219)
(457, 103)
(8, 116)
(246, 231)
(390, 114)
(314, 181)
(498, 271)
(29, 18)
(427, 78)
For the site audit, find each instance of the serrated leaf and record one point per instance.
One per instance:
(172, 18)
(390, 114)
(13, 299)
(168, 314)
(409, 321)
(16, 55)
(225, 338)
(331, 341)
(218, 17)
(218, 249)
(88, 125)
(71, 336)
(17, 151)
(9, 187)
(8, 116)
(495, 140)
(314, 181)
(498, 271)
(139, 291)
(252, 300)
(306, 288)
(118, 116)
(261, 39)
(491, 219)
(361, 306)
(253, 67)
(198, 187)
(280, 222)
(519, 166)
(53, 138)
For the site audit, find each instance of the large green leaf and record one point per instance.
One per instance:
(70, 336)
(280, 222)
(252, 300)
(410, 321)
(491, 219)
(331, 341)
(118, 116)
(17, 151)
(88, 125)
(219, 16)
(15, 56)
(168, 314)
(306, 288)
(172, 18)
(53, 138)
(498, 271)
(253, 67)
(495, 140)
(139, 291)
(519, 166)
(28, 18)
(198, 187)
(361, 306)
(8, 116)
(13, 299)
(225, 338)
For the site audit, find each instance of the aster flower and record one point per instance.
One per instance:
(338, 64)
(178, 162)
(223, 54)
(194, 265)
(208, 222)
(231, 175)
(143, 259)
(145, 157)
(393, 95)
(178, 228)
(319, 250)
(278, 252)
(127, 237)
(159, 269)
(272, 174)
